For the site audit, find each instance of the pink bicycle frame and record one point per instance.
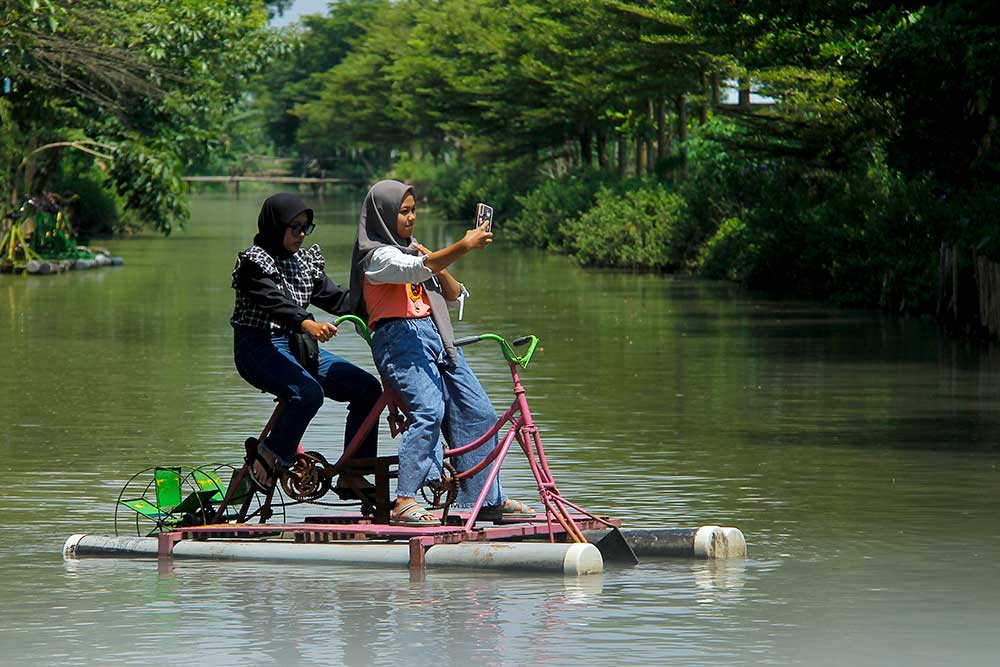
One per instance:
(524, 430)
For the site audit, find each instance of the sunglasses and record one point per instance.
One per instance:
(306, 228)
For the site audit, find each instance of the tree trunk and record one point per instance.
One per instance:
(602, 149)
(703, 103)
(988, 286)
(650, 141)
(640, 143)
(586, 149)
(661, 129)
(622, 155)
(640, 156)
(715, 91)
(27, 176)
(744, 100)
(681, 109)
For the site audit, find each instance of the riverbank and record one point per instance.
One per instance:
(865, 236)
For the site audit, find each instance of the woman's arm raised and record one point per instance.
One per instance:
(476, 238)
(450, 288)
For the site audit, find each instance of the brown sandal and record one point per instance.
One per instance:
(262, 473)
(412, 514)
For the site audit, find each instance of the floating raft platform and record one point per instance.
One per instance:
(351, 540)
(51, 266)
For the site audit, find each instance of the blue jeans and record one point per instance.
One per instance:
(411, 359)
(265, 361)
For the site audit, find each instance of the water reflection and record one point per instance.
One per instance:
(306, 615)
(856, 452)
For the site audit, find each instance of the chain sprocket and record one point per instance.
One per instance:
(442, 492)
(308, 478)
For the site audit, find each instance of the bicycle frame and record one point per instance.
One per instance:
(522, 429)
(397, 423)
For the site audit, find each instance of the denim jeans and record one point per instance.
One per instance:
(265, 361)
(411, 359)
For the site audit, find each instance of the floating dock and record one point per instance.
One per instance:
(52, 266)
(521, 547)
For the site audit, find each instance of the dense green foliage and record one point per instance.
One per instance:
(633, 230)
(859, 144)
(146, 88)
(547, 211)
(596, 128)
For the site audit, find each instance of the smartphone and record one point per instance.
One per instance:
(484, 213)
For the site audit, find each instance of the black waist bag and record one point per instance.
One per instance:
(305, 349)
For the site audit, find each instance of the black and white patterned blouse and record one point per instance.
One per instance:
(273, 292)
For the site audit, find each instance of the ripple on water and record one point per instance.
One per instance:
(856, 453)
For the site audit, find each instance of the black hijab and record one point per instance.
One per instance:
(377, 228)
(275, 214)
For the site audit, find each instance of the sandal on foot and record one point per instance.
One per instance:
(510, 509)
(412, 514)
(262, 473)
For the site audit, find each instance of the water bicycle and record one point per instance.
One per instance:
(37, 237)
(215, 511)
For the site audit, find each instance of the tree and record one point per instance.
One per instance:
(295, 80)
(352, 106)
(931, 81)
(150, 81)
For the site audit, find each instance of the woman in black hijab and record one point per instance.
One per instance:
(275, 280)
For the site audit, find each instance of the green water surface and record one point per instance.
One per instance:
(857, 452)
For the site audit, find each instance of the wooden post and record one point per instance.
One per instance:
(417, 553)
(383, 473)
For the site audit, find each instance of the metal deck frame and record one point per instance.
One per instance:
(359, 529)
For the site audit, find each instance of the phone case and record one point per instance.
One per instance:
(484, 213)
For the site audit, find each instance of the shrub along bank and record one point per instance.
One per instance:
(856, 162)
(864, 236)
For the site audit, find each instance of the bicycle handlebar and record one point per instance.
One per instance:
(507, 348)
(359, 326)
(508, 352)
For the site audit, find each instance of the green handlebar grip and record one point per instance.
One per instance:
(359, 326)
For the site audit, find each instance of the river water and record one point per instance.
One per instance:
(858, 454)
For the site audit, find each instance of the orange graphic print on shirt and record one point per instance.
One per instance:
(395, 300)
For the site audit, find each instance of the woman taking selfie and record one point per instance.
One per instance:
(403, 290)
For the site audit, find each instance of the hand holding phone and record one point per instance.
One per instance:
(484, 214)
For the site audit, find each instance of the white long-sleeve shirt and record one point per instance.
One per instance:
(391, 265)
